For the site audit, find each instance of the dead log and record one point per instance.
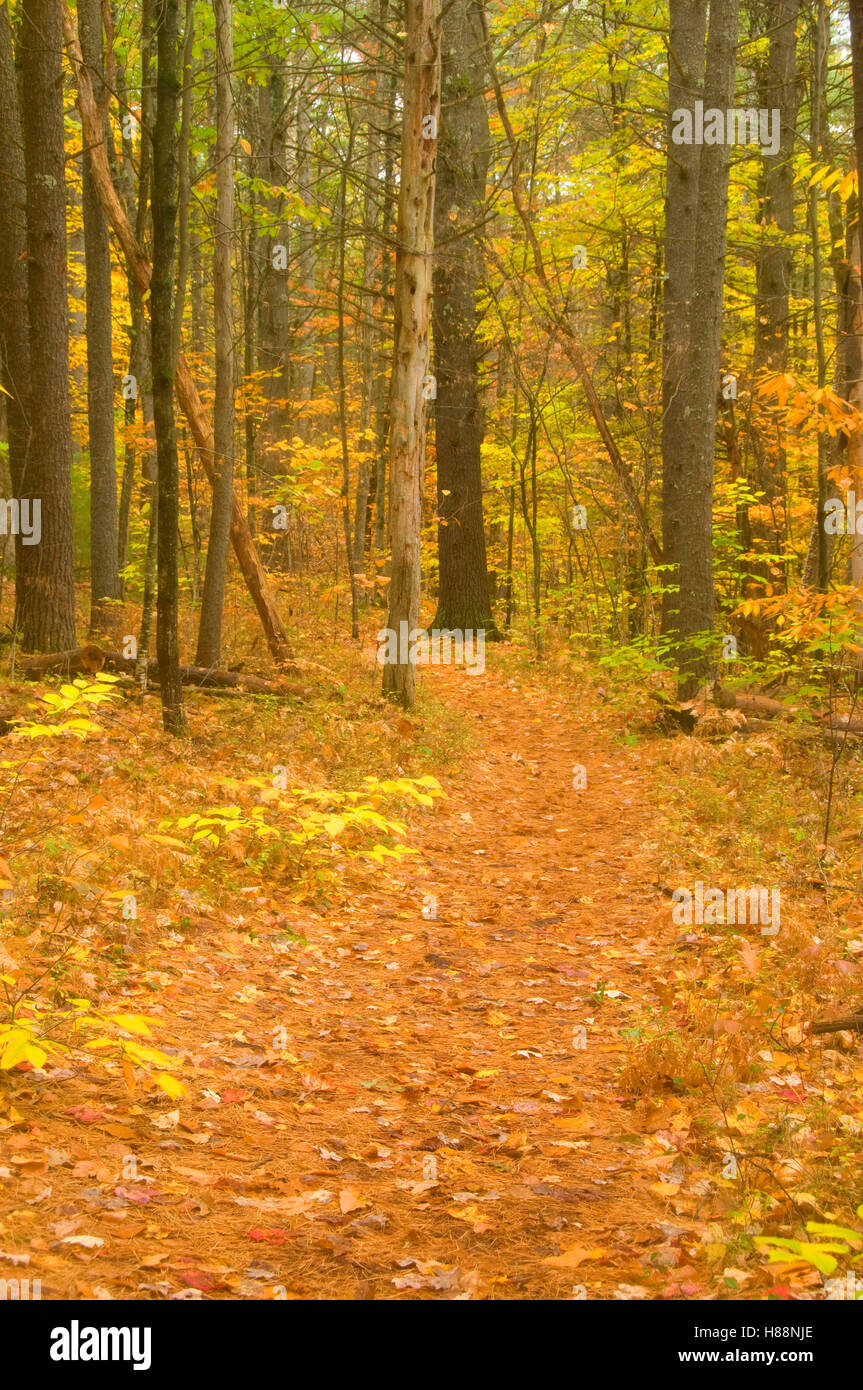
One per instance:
(852, 1022)
(761, 707)
(92, 658)
(203, 677)
(89, 658)
(841, 724)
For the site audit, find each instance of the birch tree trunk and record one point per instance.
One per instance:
(413, 283)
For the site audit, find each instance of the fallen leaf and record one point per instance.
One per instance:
(574, 1256)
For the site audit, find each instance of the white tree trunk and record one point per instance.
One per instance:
(413, 283)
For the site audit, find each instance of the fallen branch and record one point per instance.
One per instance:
(852, 1022)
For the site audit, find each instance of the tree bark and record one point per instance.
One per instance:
(212, 604)
(463, 156)
(48, 590)
(164, 208)
(415, 241)
(304, 337)
(187, 392)
(851, 302)
(696, 208)
(14, 326)
(104, 570)
(777, 91)
(273, 357)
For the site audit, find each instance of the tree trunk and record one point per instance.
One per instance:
(48, 590)
(274, 313)
(381, 401)
(368, 328)
(14, 330)
(187, 391)
(104, 570)
(696, 211)
(777, 91)
(851, 302)
(462, 167)
(212, 604)
(304, 338)
(415, 241)
(164, 209)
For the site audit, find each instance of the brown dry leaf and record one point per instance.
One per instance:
(577, 1124)
(127, 1230)
(574, 1256)
(350, 1201)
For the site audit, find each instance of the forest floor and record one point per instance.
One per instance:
(433, 1084)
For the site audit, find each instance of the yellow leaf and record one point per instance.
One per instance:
(170, 1085)
(148, 1055)
(133, 1023)
(15, 1050)
(35, 1056)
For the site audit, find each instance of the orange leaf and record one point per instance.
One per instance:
(574, 1256)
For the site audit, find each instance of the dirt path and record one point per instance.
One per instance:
(440, 1116)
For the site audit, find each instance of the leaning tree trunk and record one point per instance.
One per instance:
(48, 590)
(212, 604)
(462, 167)
(415, 241)
(164, 205)
(104, 556)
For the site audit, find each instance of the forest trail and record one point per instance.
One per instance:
(440, 1117)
